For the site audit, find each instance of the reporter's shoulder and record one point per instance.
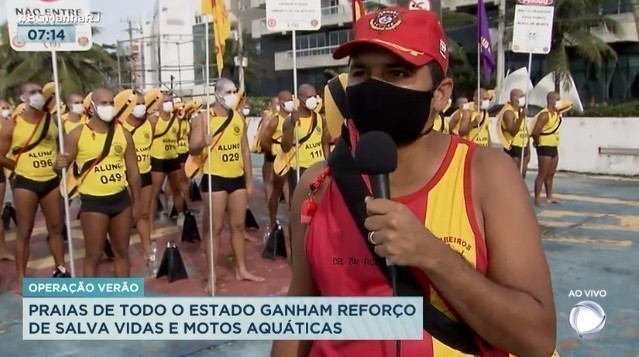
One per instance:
(494, 169)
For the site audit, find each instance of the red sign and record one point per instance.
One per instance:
(16, 42)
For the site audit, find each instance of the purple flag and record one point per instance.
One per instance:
(486, 45)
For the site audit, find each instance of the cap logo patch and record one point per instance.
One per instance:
(442, 48)
(386, 20)
(419, 5)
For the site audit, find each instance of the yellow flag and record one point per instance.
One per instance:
(221, 28)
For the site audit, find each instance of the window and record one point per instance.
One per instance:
(329, 3)
(339, 37)
(258, 48)
(313, 40)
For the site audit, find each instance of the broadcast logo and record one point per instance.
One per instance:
(588, 319)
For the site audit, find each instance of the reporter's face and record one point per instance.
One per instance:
(385, 66)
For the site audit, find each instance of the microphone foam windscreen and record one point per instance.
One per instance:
(376, 153)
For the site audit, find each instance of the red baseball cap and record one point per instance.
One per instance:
(414, 35)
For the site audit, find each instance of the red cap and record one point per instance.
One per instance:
(414, 35)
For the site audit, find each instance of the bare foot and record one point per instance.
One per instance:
(207, 287)
(249, 238)
(247, 276)
(552, 200)
(17, 287)
(4, 255)
(540, 203)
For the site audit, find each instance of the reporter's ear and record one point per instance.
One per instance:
(441, 95)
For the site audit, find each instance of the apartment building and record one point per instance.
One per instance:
(314, 49)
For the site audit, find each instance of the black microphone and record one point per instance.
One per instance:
(376, 156)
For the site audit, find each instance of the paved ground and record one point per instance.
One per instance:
(590, 240)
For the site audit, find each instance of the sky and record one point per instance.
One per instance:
(114, 15)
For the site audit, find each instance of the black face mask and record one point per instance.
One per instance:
(379, 106)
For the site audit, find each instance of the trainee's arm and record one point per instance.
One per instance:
(6, 135)
(267, 134)
(326, 138)
(288, 134)
(132, 170)
(542, 119)
(246, 157)
(70, 145)
(465, 124)
(197, 141)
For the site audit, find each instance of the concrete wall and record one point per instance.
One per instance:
(581, 139)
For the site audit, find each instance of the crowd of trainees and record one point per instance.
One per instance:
(471, 121)
(118, 152)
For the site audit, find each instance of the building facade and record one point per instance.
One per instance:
(167, 40)
(615, 81)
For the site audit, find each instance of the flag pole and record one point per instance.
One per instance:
(297, 125)
(208, 133)
(478, 98)
(65, 196)
(525, 133)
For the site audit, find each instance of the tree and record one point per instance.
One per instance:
(79, 72)
(253, 72)
(573, 36)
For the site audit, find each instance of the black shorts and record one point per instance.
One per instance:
(219, 184)
(146, 179)
(269, 157)
(40, 188)
(292, 177)
(515, 151)
(182, 157)
(165, 165)
(547, 151)
(111, 205)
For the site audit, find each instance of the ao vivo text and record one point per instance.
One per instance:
(588, 293)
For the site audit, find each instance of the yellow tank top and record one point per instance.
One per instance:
(109, 176)
(456, 226)
(184, 129)
(37, 163)
(311, 151)
(276, 140)
(549, 135)
(440, 124)
(518, 139)
(480, 136)
(69, 125)
(226, 156)
(166, 146)
(142, 139)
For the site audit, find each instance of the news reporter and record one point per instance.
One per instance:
(454, 210)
